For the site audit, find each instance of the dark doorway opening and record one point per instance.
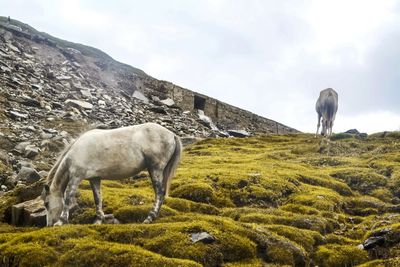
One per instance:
(199, 102)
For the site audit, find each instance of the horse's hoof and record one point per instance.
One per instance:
(108, 216)
(58, 223)
(148, 220)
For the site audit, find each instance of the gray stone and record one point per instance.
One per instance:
(138, 95)
(159, 110)
(36, 86)
(31, 151)
(18, 115)
(13, 48)
(203, 237)
(31, 128)
(78, 104)
(43, 174)
(377, 238)
(44, 135)
(352, 131)
(168, 102)
(20, 147)
(23, 163)
(29, 213)
(4, 157)
(238, 133)
(63, 78)
(86, 93)
(28, 101)
(49, 130)
(29, 175)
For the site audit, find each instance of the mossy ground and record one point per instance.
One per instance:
(270, 200)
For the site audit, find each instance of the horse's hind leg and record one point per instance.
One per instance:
(330, 127)
(95, 185)
(159, 189)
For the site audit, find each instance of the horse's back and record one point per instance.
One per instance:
(120, 152)
(327, 103)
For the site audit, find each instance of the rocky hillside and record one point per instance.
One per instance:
(290, 200)
(52, 90)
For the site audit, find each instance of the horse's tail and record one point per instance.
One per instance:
(172, 164)
(54, 170)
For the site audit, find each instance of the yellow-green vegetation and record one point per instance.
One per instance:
(292, 200)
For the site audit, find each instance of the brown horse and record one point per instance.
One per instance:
(112, 154)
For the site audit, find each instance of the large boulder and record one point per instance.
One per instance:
(28, 175)
(168, 102)
(138, 95)
(238, 133)
(29, 213)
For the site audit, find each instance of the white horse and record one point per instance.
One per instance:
(111, 154)
(326, 107)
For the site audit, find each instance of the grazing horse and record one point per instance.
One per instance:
(326, 106)
(111, 154)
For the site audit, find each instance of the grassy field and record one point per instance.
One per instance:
(268, 201)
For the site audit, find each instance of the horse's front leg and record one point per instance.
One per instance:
(95, 184)
(68, 197)
(159, 189)
(318, 125)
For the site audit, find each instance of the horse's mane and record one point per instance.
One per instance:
(53, 170)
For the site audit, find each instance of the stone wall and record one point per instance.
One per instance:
(225, 116)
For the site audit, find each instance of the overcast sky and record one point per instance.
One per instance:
(269, 57)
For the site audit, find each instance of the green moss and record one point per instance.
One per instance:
(300, 221)
(374, 263)
(382, 194)
(322, 161)
(340, 240)
(184, 205)
(364, 206)
(340, 255)
(84, 252)
(318, 197)
(247, 263)
(394, 135)
(295, 208)
(27, 254)
(363, 180)
(341, 136)
(273, 200)
(231, 243)
(135, 214)
(306, 238)
(198, 192)
(328, 182)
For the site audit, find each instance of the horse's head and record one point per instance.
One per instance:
(53, 204)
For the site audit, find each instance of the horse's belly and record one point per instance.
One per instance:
(110, 165)
(114, 172)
